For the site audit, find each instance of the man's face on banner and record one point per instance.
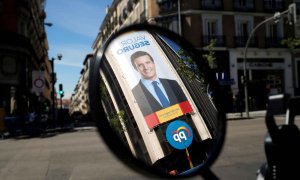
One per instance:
(146, 67)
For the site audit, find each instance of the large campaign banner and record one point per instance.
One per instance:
(153, 82)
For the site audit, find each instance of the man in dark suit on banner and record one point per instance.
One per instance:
(153, 93)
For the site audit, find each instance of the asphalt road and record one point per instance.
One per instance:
(81, 155)
(243, 151)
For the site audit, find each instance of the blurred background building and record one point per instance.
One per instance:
(271, 67)
(79, 103)
(25, 70)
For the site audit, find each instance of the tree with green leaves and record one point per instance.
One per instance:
(118, 121)
(188, 67)
(211, 57)
(291, 43)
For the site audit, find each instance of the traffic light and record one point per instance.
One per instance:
(61, 91)
(243, 79)
(292, 14)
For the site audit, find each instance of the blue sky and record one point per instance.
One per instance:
(75, 27)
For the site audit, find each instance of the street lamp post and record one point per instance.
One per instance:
(291, 16)
(179, 17)
(59, 57)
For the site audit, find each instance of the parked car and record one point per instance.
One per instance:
(29, 124)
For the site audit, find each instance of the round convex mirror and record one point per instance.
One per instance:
(156, 102)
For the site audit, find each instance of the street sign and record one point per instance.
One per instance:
(179, 134)
(38, 81)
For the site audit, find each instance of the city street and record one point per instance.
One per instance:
(158, 70)
(81, 154)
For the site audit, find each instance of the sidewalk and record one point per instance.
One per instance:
(252, 114)
(51, 131)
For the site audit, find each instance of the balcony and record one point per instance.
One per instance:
(212, 4)
(166, 7)
(243, 5)
(274, 42)
(220, 40)
(273, 6)
(240, 41)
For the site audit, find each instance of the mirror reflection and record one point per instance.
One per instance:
(158, 102)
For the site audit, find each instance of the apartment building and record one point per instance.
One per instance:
(79, 99)
(23, 50)
(270, 66)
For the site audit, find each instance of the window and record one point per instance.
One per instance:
(273, 3)
(211, 28)
(173, 25)
(243, 26)
(274, 34)
(243, 5)
(242, 2)
(244, 29)
(212, 25)
(211, 4)
(274, 30)
(170, 23)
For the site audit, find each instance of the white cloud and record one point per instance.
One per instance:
(73, 54)
(70, 64)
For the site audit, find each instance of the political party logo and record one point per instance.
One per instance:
(179, 134)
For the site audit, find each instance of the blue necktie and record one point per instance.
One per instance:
(162, 98)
